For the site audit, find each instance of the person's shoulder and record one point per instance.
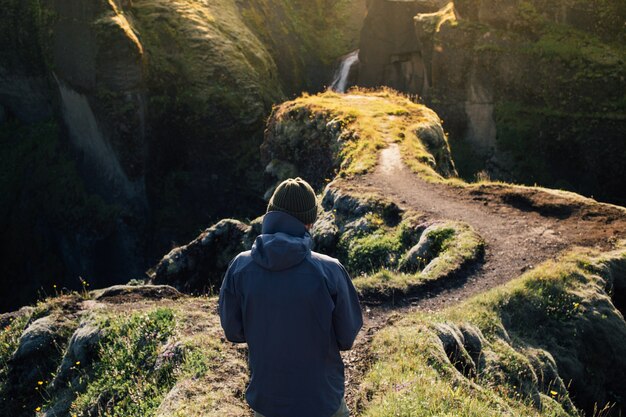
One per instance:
(326, 261)
(240, 262)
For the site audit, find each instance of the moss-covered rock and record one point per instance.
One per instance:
(128, 356)
(199, 266)
(340, 134)
(388, 251)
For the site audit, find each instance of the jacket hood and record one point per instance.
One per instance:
(284, 242)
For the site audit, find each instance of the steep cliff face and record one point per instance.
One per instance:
(305, 37)
(529, 91)
(160, 107)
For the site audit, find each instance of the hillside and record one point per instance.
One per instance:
(464, 156)
(128, 125)
(480, 299)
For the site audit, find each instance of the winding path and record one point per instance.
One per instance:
(522, 227)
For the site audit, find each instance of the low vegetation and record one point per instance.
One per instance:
(390, 252)
(331, 133)
(545, 344)
(142, 359)
(394, 266)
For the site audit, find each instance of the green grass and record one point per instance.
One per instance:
(378, 260)
(9, 338)
(372, 252)
(126, 381)
(167, 360)
(369, 120)
(557, 316)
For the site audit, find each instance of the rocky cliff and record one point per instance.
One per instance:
(479, 299)
(530, 91)
(154, 111)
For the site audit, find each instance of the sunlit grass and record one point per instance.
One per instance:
(376, 118)
(550, 312)
(126, 380)
(379, 255)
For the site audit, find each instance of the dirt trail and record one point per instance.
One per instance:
(522, 227)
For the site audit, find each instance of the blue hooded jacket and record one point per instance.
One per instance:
(296, 309)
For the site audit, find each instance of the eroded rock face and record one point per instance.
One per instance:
(162, 105)
(79, 357)
(305, 141)
(389, 53)
(511, 81)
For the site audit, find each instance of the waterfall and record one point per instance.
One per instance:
(87, 136)
(340, 82)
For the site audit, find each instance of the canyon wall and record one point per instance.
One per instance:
(529, 91)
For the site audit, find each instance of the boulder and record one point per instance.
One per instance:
(426, 249)
(199, 266)
(81, 352)
(473, 342)
(325, 233)
(39, 351)
(453, 343)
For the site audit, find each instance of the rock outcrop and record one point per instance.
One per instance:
(326, 137)
(199, 266)
(321, 136)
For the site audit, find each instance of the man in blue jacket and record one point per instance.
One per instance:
(295, 308)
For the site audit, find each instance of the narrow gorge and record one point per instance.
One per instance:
(468, 158)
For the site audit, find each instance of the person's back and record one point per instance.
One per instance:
(295, 308)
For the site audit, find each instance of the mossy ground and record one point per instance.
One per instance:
(453, 248)
(560, 310)
(549, 314)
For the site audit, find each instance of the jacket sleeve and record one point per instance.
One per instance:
(230, 309)
(347, 316)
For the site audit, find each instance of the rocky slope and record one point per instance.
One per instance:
(148, 113)
(530, 91)
(548, 342)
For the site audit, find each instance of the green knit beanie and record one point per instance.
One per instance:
(296, 197)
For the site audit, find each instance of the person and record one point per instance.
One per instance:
(295, 308)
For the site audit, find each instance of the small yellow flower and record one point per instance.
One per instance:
(39, 382)
(77, 362)
(576, 305)
(553, 393)
(38, 409)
